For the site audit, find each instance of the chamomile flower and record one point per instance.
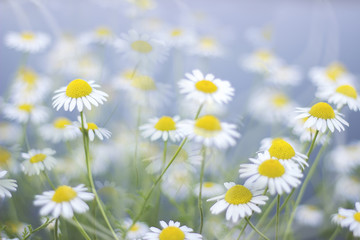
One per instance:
(347, 188)
(340, 95)
(351, 219)
(58, 130)
(240, 201)
(92, 129)
(283, 151)
(6, 185)
(209, 189)
(177, 183)
(261, 61)
(31, 42)
(209, 131)
(164, 127)
(137, 231)
(309, 215)
(24, 112)
(337, 218)
(306, 134)
(177, 37)
(265, 171)
(207, 46)
(284, 75)
(206, 88)
(345, 158)
(321, 117)
(141, 48)
(85, 65)
(101, 34)
(37, 161)
(9, 132)
(172, 230)
(335, 73)
(78, 93)
(64, 201)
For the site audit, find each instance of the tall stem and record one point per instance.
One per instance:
(200, 190)
(56, 234)
(81, 229)
(255, 229)
(277, 217)
(98, 200)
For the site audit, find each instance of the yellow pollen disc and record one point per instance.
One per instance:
(5, 156)
(27, 36)
(92, 126)
(207, 42)
(208, 184)
(61, 122)
(64, 194)
(134, 228)
(206, 86)
(28, 76)
(357, 216)
(335, 70)
(26, 107)
(141, 46)
(38, 158)
(322, 110)
(347, 90)
(103, 32)
(172, 233)
(271, 168)
(165, 123)
(280, 100)
(263, 55)
(281, 149)
(144, 83)
(208, 123)
(238, 194)
(143, 4)
(78, 88)
(176, 32)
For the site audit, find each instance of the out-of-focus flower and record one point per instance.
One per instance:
(29, 42)
(306, 134)
(164, 128)
(177, 37)
(101, 34)
(284, 75)
(260, 37)
(261, 61)
(6, 185)
(92, 129)
(338, 218)
(209, 189)
(345, 158)
(351, 219)
(137, 231)
(37, 161)
(58, 130)
(340, 95)
(335, 73)
(309, 215)
(173, 230)
(9, 133)
(347, 188)
(24, 112)
(177, 183)
(206, 46)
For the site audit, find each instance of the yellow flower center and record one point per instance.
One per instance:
(134, 228)
(38, 158)
(5, 156)
(61, 122)
(28, 76)
(26, 107)
(144, 83)
(263, 55)
(129, 74)
(280, 100)
(144, 4)
(206, 86)
(357, 216)
(281, 149)
(64, 194)
(78, 88)
(335, 70)
(92, 126)
(172, 233)
(103, 32)
(322, 110)
(208, 184)
(141, 46)
(208, 42)
(176, 32)
(347, 90)
(208, 123)
(165, 123)
(271, 168)
(28, 36)
(238, 194)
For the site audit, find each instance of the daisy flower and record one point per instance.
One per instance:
(24, 112)
(206, 88)
(30, 42)
(209, 189)
(164, 128)
(305, 134)
(309, 215)
(137, 231)
(6, 185)
(177, 183)
(92, 129)
(209, 131)
(321, 117)
(85, 65)
(77, 94)
(37, 161)
(64, 201)
(351, 219)
(265, 171)
(261, 61)
(9, 132)
(58, 130)
(284, 75)
(101, 34)
(177, 37)
(335, 73)
(340, 95)
(283, 151)
(337, 218)
(347, 188)
(207, 46)
(141, 47)
(345, 158)
(239, 200)
(173, 230)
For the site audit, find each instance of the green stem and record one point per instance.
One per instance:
(335, 233)
(56, 234)
(98, 200)
(48, 180)
(81, 229)
(136, 145)
(277, 217)
(242, 231)
(25, 138)
(200, 191)
(255, 229)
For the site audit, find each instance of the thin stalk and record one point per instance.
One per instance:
(200, 190)
(255, 229)
(335, 233)
(48, 180)
(81, 229)
(56, 234)
(98, 200)
(277, 217)
(25, 138)
(242, 231)
(136, 145)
